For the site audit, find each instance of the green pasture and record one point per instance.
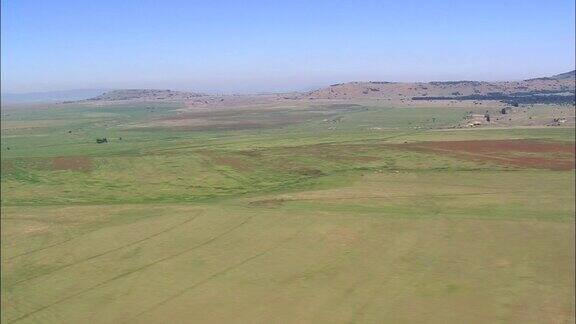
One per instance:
(312, 215)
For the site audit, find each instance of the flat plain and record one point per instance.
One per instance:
(294, 212)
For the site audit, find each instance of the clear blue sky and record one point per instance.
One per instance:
(245, 46)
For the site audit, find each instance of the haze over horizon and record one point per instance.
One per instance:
(234, 47)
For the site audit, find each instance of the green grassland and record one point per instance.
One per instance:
(303, 213)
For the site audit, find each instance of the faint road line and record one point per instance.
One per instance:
(218, 274)
(132, 271)
(106, 252)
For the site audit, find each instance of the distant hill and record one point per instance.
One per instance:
(51, 96)
(145, 94)
(555, 89)
(563, 76)
(561, 84)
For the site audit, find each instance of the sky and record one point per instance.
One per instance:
(228, 46)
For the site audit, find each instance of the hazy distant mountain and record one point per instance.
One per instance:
(559, 88)
(51, 96)
(145, 94)
(558, 84)
(564, 76)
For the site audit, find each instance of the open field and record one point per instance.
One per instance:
(295, 212)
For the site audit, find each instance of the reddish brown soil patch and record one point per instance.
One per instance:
(233, 162)
(341, 237)
(74, 163)
(268, 203)
(251, 153)
(334, 153)
(520, 153)
(308, 172)
(225, 126)
(7, 166)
